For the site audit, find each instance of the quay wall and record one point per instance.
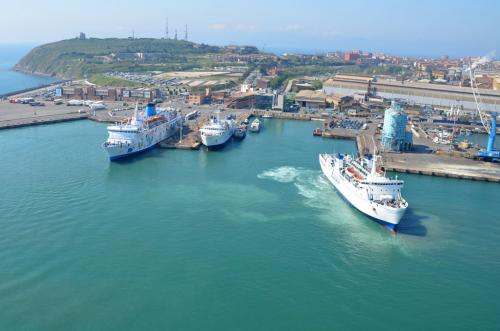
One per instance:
(31, 89)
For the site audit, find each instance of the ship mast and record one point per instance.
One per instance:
(373, 172)
(135, 119)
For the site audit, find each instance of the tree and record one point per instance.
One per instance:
(317, 85)
(277, 81)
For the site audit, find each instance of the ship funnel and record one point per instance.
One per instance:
(150, 110)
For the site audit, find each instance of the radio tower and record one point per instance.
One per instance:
(166, 28)
(186, 33)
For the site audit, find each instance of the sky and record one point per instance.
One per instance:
(423, 28)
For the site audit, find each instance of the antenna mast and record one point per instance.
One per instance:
(166, 28)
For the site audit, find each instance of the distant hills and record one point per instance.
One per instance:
(79, 58)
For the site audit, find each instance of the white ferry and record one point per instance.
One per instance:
(217, 132)
(365, 186)
(142, 131)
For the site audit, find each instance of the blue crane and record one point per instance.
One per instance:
(489, 121)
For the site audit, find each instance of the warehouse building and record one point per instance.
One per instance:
(414, 92)
(311, 99)
(107, 94)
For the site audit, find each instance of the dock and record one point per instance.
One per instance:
(284, 115)
(190, 140)
(426, 159)
(41, 120)
(441, 166)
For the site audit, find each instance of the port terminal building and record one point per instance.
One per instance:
(107, 94)
(439, 95)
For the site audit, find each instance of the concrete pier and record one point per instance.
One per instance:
(190, 140)
(441, 166)
(426, 159)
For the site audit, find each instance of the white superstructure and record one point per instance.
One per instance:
(365, 186)
(217, 132)
(142, 131)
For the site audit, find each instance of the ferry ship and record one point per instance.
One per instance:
(142, 131)
(217, 132)
(365, 186)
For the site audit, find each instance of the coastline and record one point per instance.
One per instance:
(21, 70)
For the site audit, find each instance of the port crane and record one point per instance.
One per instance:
(489, 121)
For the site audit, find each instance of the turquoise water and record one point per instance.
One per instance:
(14, 81)
(480, 139)
(251, 237)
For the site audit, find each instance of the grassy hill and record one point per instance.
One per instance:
(75, 58)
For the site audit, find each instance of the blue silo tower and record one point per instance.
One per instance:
(394, 136)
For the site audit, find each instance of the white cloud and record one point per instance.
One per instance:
(245, 27)
(292, 27)
(217, 26)
(330, 33)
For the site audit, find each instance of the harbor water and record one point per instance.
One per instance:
(14, 81)
(249, 237)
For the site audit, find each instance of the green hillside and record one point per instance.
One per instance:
(75, 58)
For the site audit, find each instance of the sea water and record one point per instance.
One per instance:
(250, 237)
(11, 81)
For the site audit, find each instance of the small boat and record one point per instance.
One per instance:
(318, 132)
(267, 115)
(464, 144)
(246, 121)
(255, 126)
(240, 132)
(192, 115)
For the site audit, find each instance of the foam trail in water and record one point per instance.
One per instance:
(309, 183)
(321, 196)
(281, 174)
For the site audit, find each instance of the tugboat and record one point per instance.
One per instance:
(317, 132)
(240, 132)
(255, 126)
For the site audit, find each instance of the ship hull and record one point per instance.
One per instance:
(142, 142)
(115, 155)
(213, 142)
(384, 215)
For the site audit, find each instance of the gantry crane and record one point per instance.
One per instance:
(488, 117)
